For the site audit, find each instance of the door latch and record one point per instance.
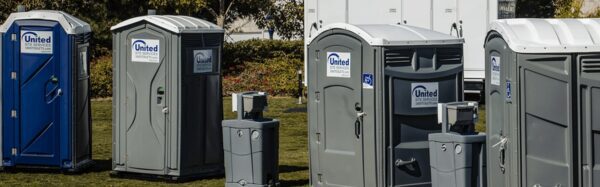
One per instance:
(320, 177)
(14, 151)
(165, 110)
(13, 113)
(53, 79)
(13, 37)
(13, 75)
(318, 135)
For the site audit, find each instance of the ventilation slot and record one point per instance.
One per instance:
(399, 57)
(590, 65)
(449, 56)
(212, 40)
(83, 38)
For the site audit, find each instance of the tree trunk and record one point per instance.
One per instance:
(222, 14)
(221, 20)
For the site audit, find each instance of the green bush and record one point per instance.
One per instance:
(236, 55)
(263, 65)
(276, 76)
(101, 77)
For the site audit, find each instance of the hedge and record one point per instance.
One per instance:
(277, 76)
(101, 77)
(263, 65)
(236, 55)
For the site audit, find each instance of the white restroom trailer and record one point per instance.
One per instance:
(468, 19)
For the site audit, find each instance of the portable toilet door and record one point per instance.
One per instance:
(45, 98)
(542, 91)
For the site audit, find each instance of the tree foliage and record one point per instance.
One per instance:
(535, 9)
(552, 9)
(181, 7)
(286, 17)
(573, 9)
(100, 14)
(222, 12)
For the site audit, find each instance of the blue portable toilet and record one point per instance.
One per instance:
(45, 91)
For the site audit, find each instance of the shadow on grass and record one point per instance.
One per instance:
(299, 182)
(288, 168)
(90, 167)
(100, 166)
(295, 110)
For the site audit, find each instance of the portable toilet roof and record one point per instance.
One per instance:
(176, 24)
(393, 35)
(70, 24)
(549, 35)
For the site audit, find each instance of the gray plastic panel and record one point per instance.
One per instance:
(546, 78)
(145, 119)
(410, 126)
(499, 114)
(402, 94)
(340, 149)
(589, 91)
(201, 108)
(83, 122)
(456, 160)
(251, 152)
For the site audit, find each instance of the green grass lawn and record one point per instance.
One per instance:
(293, 151)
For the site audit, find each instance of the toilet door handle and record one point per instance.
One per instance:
(357, 128)
(358, 123)
(57, 93)
(400, 162)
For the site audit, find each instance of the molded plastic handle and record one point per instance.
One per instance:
(400, 162)
(58, 94)
(357, 128)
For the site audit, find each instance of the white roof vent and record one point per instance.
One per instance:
(549, 35)
(70, 24)
(388, 35)
(176, 24)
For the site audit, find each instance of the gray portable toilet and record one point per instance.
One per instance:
(543, 101)
(372, 97)
(46, 116)
(167, 106)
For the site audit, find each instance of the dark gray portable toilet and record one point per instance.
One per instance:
(167, 106)
(542, 96)
(373, 92)
(46, 119)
